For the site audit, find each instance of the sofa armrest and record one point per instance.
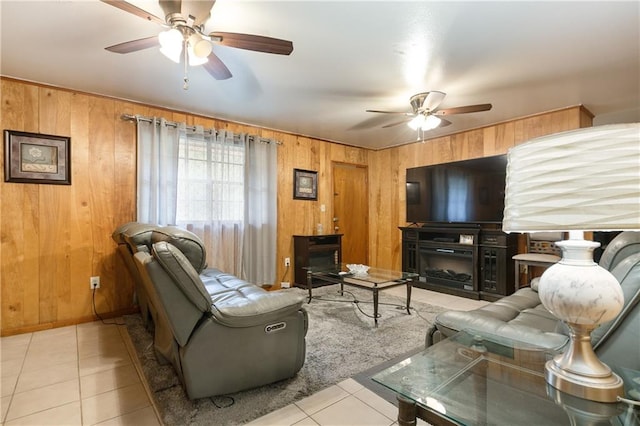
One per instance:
(250, 305)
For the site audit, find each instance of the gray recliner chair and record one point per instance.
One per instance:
(522, 317)
(220, 333)
(132, 237)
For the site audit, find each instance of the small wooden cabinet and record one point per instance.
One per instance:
(315, 250)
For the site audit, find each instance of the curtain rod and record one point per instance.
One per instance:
(250, 138)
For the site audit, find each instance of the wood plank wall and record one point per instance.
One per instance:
(54, 237)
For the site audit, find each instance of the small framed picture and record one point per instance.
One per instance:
(36, 158)
(466, 239)
(305, 185)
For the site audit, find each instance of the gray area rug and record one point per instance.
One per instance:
(341, 342)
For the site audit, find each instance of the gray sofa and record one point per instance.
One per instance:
(220, 333)
(522, 317)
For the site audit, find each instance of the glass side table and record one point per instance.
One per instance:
(478, 380)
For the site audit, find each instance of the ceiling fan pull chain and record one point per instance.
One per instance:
(185, 86)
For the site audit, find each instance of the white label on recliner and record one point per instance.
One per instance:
(271, 328)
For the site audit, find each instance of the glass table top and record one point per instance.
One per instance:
(373, 276)
(471, 379)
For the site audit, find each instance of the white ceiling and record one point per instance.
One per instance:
(523, 57)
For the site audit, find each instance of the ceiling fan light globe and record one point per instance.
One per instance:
(416, 122)
(170, 39)
(171, 53)
(201, 48)
(195, 60)
(430, 123)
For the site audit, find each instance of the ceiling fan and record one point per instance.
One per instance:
(185, 37)
(425, 115)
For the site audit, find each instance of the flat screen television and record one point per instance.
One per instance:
(470, 191)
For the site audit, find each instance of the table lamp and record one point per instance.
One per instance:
(577, 181)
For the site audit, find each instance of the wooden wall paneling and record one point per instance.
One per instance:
(80, 210)
(102, 115)
(551, 122)
(19, 265)
(20, 250)
(325, 190)
(383, 209)
(10, 108)
(306, 157)
(125, 164)
(442, 151)
(467, 145)
(124, 197)
(498, 139)
(54, 202)
(288, 209)
(585, 119)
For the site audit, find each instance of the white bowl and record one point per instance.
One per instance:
(356, 268)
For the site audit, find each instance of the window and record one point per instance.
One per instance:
(210, 179)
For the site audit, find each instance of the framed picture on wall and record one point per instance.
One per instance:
(36, 158)
(305, 184)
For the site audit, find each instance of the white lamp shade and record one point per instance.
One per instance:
(583, 180)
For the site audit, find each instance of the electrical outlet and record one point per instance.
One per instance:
(285, 284)
(287, 261)
(94, 282)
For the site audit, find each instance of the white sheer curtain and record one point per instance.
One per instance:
(157, 170)
(260, 212)
(217, 185)
(211, 194)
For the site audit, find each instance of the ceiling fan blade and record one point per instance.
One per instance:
(443, 123)
(464, 109)
(396, 123)
(433, 99)
(128, 7)
(253, 42)
(390, 112)
(134, 45)
(216, 67)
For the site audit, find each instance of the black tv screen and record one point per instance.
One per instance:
(470, 191)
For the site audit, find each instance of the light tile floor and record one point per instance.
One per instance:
(85, 375)
(76, 375)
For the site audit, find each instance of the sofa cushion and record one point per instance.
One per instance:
(519, 317)
(185, 241)
(450, 322)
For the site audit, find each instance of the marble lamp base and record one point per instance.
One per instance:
(584, 295)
